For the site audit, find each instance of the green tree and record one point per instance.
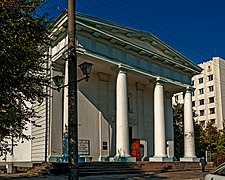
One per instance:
(210, 137)
(218, 153)
(178, 122)
(207, 138)
(178, 117)
(200, 145)
(23, 33)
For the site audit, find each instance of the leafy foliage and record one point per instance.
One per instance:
(207, 138)
(22, 35)
(178, 123)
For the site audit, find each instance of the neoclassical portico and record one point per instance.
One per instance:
(126, 62)
(118, 106)
(163, 121)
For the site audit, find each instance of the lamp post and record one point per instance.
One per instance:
(72, 92)
(86, 68)
(72, 66)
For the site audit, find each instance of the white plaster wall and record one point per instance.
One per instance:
(21, 152)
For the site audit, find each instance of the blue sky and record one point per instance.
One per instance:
(195, 28)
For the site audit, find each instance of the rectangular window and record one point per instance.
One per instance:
(201, 91)
(104, 145)
(211, 100)
(212, 110)
(202, 112)
(193, 114)
(200, 80)
(176, 98)
(213, 121)
(210, 77)
(201, 101)
(202, 123)
(193, 103)
(130, 102)
(193, 93)
(211, 88)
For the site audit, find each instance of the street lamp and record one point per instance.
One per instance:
(85, 67)
(72, 95)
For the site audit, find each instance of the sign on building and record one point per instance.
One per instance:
(83, 147)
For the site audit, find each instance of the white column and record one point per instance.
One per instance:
(122, 129)
(189, 140)
(159, 124)
(159, 121)
(169, 126)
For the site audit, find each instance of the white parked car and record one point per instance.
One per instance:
(217, 174)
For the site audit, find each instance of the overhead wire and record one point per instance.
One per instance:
(142, 19)
(171, 36)
(99, 9)
(160, 24)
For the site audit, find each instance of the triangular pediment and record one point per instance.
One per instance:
(140, 41)
(135, 41)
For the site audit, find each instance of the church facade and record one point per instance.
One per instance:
(125, 109)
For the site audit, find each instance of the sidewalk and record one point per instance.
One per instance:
(181, 175)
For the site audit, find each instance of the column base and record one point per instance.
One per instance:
(189, 159)
(122, 159)
(161, 159)
(11, 168)
(55, 158)
(103, 158)
(144, 158)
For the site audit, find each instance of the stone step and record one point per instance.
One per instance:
(91, 173)
(95, 168)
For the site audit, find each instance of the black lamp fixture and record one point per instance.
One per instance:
(85, 67)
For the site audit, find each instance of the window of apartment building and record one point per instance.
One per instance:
(192, 82)
(201, 101)
(202, 112)
(211, 88)
(193, 93)
(201, 91)
(202, 123)
(212, 111)
(193, 103)
(194, 114)
(211, 100)
(176, 98)
(210, 77)
(209, 68)
(200, 80)
(213, 121)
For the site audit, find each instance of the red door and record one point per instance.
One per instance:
(135, 149)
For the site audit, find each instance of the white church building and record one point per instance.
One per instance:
(125, 108)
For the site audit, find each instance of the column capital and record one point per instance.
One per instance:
(159, 80)
(190, 88)
(122, 67)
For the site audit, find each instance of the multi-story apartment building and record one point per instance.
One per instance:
(208, 97)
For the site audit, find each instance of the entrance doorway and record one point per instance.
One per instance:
(135, 146)
(135, 149)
